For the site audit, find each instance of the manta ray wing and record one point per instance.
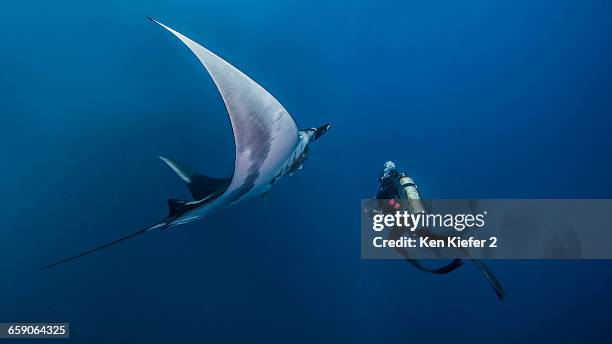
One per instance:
(264, 132)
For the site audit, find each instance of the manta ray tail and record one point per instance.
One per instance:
(114, 242)
(499, 290)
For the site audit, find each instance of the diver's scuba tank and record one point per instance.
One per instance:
(411, 194)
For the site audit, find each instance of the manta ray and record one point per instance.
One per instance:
(267, 141)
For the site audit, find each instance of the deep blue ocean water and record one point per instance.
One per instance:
(483, 99)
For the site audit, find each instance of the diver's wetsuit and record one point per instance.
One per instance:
(389, 189)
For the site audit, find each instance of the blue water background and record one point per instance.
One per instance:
(486, 99)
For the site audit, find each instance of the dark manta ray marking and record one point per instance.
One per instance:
(268, 146)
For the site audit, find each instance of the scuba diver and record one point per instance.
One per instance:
(397, 191)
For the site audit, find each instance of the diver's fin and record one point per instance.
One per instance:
(441, 270)
(159, 225)
(499, 290)
(453, 265)
(200, 186)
